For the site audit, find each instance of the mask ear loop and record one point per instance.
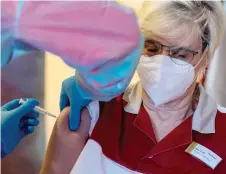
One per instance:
(204, 54)
(198, 77)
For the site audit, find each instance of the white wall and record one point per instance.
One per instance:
(55, 72)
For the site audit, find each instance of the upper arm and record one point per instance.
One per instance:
(65, 146)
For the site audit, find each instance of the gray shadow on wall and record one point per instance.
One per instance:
(24, 77)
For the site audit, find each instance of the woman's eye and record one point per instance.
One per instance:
(152, 48)
(181, 56)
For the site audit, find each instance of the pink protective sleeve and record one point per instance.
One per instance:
(84, 34)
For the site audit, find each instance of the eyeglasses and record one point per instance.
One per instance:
(153, 47)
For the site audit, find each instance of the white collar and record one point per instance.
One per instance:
(204, 116)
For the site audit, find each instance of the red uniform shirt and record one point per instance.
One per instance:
(129, 140)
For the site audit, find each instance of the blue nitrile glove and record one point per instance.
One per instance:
(17, 121)
(71, 96)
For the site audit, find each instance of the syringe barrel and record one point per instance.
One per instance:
(39, 109)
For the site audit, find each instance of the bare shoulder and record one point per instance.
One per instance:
(65, 145)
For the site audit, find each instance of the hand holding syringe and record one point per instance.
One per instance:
(39, 109)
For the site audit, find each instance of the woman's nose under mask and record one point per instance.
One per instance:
(163, 79)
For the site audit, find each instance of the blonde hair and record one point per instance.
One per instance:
(202, 19)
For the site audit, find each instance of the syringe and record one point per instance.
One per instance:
(39, 109)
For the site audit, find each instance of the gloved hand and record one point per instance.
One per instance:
(17, 121)
(71, 96)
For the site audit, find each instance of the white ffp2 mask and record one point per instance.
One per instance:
(164, 80)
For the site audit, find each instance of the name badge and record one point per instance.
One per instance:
(204, 154)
